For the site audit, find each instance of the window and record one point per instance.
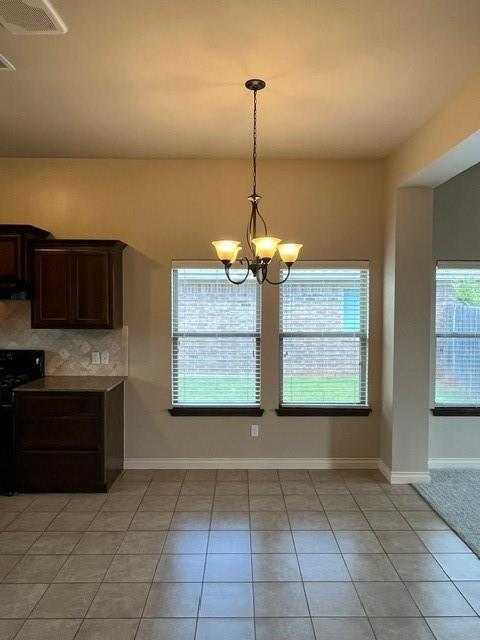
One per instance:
(324, 336)
(457, 334)
(215, 340)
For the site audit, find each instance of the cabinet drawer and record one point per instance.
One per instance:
(58, 404)
(50, 471)
(61, 433)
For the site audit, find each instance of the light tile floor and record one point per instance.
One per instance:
(235, 555)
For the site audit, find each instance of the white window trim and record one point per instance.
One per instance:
(445, 264)
(365, 377)
(223, 408)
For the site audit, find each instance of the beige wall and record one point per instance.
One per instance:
(388, 329)
(406, 330)
(458, 120)
(411, 348)
(169, 210)
(438, 148)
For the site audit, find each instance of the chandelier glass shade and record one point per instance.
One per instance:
(262, 247)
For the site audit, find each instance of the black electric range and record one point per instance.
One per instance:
(17, 366)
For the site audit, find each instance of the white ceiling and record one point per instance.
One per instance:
(164, 78)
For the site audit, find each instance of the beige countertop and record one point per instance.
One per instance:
(72, 383)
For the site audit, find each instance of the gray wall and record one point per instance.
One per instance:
(456, 236)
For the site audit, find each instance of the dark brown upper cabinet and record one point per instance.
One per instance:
(15, 268)
(77, 284)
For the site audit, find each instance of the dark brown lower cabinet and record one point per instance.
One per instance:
(69, 440)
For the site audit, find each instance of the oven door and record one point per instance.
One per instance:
(7, 449)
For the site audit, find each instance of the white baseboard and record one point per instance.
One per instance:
(454, 463)
(251, 463)
(384, 470)
(403, 477)
(394, 477)
(410, 477)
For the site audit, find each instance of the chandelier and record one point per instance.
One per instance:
(262, 248)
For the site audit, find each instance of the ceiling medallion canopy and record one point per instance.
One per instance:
(262, 248)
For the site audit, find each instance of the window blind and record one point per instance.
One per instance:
(215, 339)
(324, 337)
(457, 336)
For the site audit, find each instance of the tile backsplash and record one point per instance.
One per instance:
(67, 351)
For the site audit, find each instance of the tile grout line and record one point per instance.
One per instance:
(161, 552)
(395, 510)
(351, 577)
(200, 599)
(113, 558)
(312, 627)
(251, 559)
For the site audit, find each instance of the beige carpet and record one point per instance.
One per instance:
(455, 495)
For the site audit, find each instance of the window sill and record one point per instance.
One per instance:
(456, 411)
(215, 411)
(324, 411)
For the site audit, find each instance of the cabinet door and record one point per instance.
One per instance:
(51, 304)
(91, 288)
(10, 257)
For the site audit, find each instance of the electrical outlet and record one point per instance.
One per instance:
(95, 357)
(105, 357)
(254, 431)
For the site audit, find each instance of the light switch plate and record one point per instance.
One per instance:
(105, 357)
(254, 431)
(95, 357)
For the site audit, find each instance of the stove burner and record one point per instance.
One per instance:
(10, 382)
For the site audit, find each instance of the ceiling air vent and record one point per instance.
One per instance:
(30, 18)
(5, 65)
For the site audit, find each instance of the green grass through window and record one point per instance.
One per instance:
(216, 389)
(240, 389)
(320, 390)
(455, 395)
